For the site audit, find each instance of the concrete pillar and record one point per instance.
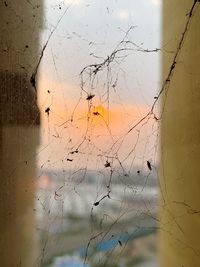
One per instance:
(180, 137)
(19, 131)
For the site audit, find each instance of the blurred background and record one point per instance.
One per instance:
(97, 196)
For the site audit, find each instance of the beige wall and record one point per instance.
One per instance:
(18, 228)
(19, 131)
(21, 21)
(180, 139)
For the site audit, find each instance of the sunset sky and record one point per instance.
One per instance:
(121, 93)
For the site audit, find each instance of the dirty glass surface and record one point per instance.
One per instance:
(80, 117)
(81, 131)
(97, 162)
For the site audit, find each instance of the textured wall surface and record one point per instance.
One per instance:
(180, 136)
(19, 130)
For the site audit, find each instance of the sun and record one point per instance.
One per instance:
(99, 111)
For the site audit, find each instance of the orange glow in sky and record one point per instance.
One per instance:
(91, 126)
(82, 114)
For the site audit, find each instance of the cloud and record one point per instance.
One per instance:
(123, 14)
(156, 2)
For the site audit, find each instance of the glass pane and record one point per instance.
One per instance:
(97, 162)
(79, 132)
